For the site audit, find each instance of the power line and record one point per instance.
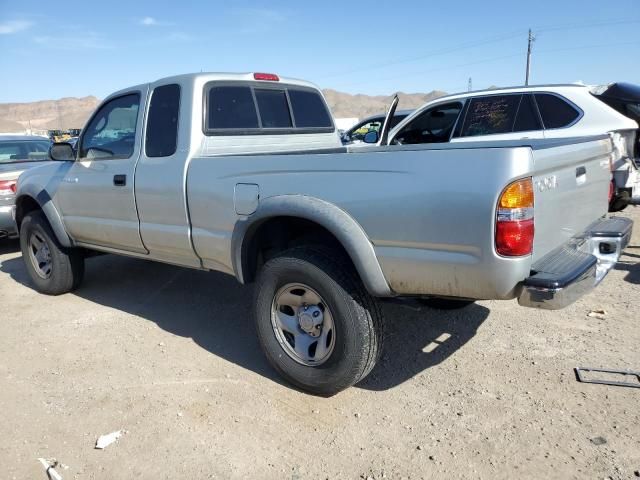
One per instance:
(444, 51)
(486, 60)
(476, 43)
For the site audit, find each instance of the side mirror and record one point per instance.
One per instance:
(62, 152)
(371, 137)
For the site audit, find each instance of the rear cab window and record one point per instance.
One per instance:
(254, 108)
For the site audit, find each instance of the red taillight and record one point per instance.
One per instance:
(514, 220)
(8, 187)
(514, 239)
(270, 77)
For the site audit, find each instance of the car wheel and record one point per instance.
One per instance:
(317, 324)
(445, 303)
(53, 269)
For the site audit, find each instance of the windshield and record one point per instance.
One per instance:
(14, 151)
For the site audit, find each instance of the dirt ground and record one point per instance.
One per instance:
(170, 356)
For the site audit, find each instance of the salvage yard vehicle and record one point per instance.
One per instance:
(625, 98)
(544, 111)
(17, 154)
(355, 135)
(245, 174)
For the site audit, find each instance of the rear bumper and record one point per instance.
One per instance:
(7, 222)
(576, 268)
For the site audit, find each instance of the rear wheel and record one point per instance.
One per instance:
(316, 323)
(53, 269)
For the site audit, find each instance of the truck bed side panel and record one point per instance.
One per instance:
(429, 213)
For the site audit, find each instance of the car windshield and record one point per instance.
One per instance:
(15, 151)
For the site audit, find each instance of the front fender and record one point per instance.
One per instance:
(348, 232)
(29, 187)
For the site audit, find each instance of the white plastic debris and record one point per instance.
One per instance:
(51, 472)
(105, 440)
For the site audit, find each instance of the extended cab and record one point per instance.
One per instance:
(246, 174)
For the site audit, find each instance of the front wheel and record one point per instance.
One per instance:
(316, 323)
(53, 269)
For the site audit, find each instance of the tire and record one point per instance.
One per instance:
(65, 267)
(445, 303)
(356, 317)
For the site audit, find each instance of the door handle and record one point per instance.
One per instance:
(119, 180)
(580, 171)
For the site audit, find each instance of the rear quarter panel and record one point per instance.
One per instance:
(428, 211)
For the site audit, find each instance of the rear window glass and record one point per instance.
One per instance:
(527, 118)
(309, 109)
(231, 108)
(274, 108)
(491, 115)
(555, 112)
(162, 124)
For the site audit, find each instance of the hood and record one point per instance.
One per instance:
(11, 171)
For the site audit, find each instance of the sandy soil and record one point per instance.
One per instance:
(170, 356)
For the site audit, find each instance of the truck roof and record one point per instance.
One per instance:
(204, 77)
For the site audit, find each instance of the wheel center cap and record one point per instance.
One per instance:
(310, 319)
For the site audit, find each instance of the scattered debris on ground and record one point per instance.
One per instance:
(105, 440)
(49, 467)
(599, 313)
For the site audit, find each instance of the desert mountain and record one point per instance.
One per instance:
(47, 114)
(73, 112)
(345, 105)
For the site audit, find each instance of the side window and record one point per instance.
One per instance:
(362, 130)
(274, 108)
(231, 108)
(309, 110)
(491, 115)
(396, 120)
(112, 131)
(527, 118)
(435, 125)
(555, 112)
(162, 123)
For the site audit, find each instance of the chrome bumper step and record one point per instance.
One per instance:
(577, 267)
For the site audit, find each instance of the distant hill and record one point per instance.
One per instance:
(345, 105)
(73, 112)
(63, 114)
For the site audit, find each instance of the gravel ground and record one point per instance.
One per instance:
(170, 356)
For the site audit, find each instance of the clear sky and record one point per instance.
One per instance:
(76, 48)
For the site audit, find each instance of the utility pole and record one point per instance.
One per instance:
(470, 86)
(532, 39)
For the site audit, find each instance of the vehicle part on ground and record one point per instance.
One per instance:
(580, 374)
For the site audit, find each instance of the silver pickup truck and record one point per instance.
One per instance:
(246, 174)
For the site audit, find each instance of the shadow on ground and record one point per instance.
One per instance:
(215, 311)
(9, 246)
(629, 263)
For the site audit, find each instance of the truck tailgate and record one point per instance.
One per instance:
(571, 185)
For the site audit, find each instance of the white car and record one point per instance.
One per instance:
(544, 111)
